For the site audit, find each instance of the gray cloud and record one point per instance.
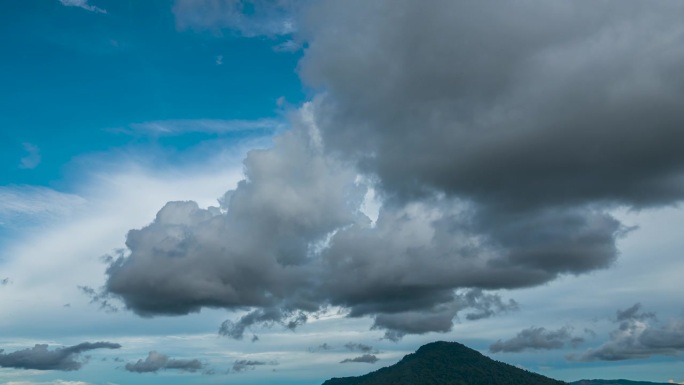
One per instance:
(243, 365)
(638, 336)
(102, 298)
(5, 282)
(536, 338)
(40, 358)
(263, 317)
(156, 361)
(322, 347)
(496, 158)
(356, 347)
(366, 358)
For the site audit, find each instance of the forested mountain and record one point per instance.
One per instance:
(448, 363)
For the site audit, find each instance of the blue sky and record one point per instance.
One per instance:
(218, 191)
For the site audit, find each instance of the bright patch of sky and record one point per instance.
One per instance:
(299, 145)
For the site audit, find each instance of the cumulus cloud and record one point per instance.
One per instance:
(536, 338)
(366, 358)
(247, 17)
(82, 4)
(638, 336)
(156, 361)
(497, 137)
(40, 358)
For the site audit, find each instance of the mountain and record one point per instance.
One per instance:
(616, 382)
(447, 363)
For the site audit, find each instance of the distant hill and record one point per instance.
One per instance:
(448, 363)
(616, 382)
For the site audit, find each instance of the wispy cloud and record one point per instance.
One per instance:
(32, 158)
(82, 4)
(35, 202)
(249, 18)
(208, 126)
(156, 361)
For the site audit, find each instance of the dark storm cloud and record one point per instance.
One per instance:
(156, 361)
(366, 358)
(638, 336)
(40, 358)
(536, 338)
(497, 135)
(517, 105)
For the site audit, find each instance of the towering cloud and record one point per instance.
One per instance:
(497, 136)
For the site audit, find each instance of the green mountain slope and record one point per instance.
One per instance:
(447, 363)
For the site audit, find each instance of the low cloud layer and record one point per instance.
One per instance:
(536, 338)
(495, 161)
(638, 336)
(366, 358)
(243, 365)
(40, 357)
(156, 361)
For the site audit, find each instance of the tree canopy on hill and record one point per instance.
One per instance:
(447, 363)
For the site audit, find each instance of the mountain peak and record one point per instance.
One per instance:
(447, 363)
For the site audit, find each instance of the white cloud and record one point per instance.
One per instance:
(209, 126)
(265, 17)
(82, 4)
(219, 60)
(34, 202)
(32, 158)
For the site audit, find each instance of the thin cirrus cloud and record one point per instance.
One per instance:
(270, 18)
(32, 158)
(41, 358)
(36, 202)
(82, 4)
(207, 126)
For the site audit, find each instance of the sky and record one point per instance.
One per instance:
(259, 192)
